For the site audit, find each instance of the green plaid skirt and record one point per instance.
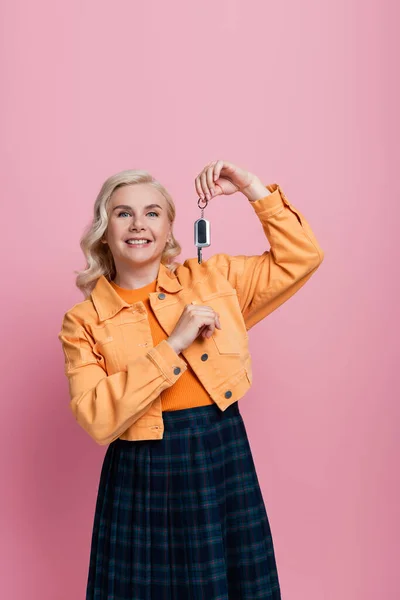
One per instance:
(183, 518)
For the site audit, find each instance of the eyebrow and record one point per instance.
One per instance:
(130, 208)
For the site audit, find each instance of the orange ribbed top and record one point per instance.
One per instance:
(187, 391)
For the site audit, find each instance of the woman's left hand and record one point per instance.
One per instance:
(222, 177)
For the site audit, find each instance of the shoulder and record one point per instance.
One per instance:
(219, 268)
(220, 261)
(78, 315)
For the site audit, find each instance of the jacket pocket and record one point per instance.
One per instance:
(232, 338)
(226, 342)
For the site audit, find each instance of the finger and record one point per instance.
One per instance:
(203, 180)
(211, 329)
(204, 328)
(208, 330)
(209, 178)
(205, 333)
(200, 309)
(217, 169)
(202, 320)
(198, 184)
(199, 191)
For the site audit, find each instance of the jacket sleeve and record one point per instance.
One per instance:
(264, 282)
(106, 405)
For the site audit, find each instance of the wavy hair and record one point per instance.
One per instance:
(98, 255)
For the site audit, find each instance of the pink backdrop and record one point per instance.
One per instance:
(302, 94)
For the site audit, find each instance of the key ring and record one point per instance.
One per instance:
(204, 200)
(202, 207)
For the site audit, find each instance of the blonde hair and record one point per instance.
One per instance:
(98, 255)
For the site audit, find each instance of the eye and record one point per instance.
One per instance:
(124, 212)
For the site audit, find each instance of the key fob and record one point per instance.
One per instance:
(201, 235)
(201, 230)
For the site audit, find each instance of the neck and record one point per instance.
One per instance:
(138, 278)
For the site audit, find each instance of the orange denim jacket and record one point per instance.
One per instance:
(114, 371)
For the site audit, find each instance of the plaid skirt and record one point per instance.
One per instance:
(183, 518)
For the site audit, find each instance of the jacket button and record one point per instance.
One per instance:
(161, 296)
(228, 394)
(177, 370)
(204, 356)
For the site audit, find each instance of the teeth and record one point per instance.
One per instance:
(136, 242)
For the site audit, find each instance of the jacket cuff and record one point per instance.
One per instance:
(271, 203)
(167, 360)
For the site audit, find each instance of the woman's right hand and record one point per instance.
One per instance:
(195, 320)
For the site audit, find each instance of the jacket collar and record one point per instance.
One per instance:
(108, 302)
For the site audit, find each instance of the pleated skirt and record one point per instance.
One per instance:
(183, 518)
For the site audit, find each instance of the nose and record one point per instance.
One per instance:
(136, 224)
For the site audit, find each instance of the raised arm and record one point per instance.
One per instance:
(264, 282)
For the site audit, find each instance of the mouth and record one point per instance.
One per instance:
(138, 244)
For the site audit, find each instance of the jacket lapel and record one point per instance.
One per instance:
(108, 302)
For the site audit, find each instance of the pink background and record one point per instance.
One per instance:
(302, 94)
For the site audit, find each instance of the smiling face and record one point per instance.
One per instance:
(137, 211)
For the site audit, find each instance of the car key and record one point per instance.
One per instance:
(201, 231)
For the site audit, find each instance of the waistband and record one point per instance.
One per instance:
(198, 415)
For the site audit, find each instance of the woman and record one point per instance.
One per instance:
(157, 358)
